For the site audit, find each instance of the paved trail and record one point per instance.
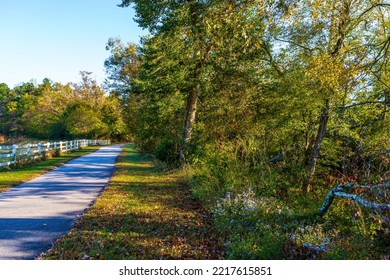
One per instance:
(33, 215)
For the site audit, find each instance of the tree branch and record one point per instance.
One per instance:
(339, 191)
(294, 43)
(359, 104)
(373, 7)
(368, 204)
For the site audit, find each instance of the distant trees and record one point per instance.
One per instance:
(4, 107)
(55, 111)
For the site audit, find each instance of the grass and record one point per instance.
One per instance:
(144, 213)
(13, 177)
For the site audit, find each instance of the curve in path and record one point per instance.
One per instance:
(35, 214)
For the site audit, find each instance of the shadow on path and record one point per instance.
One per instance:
(34, 214)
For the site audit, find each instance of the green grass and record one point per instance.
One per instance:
(13, 177)
(144, 213)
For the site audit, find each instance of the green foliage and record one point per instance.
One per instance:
(245, 219)
(121, 67)
(166, 151)
(55, 111)
(81, 121)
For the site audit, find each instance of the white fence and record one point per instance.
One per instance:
(11, 154)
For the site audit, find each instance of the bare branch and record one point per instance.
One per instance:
(339, 191)
(368, 204)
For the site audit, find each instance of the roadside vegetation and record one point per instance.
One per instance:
(10, 177)
(144, 213)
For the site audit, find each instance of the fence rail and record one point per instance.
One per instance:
(11, 154)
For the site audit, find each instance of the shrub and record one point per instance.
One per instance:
(167, 151)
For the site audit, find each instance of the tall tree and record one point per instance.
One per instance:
(169, 17)
(199, 33)
(334, 40)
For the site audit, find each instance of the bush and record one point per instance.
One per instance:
(45, 155)
(167, 151)
(216, 173)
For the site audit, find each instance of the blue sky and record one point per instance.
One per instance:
(59, 38)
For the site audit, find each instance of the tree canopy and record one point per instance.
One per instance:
(54, 111)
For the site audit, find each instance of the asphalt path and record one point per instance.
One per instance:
(35, 214)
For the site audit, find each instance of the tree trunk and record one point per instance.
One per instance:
(324, 118)
(311, 168)
(192, 101)
(192, 98)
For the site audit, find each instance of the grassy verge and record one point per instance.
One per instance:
(10, 178)
(144, 213)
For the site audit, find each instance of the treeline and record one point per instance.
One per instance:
(261, 99)
(54, 111)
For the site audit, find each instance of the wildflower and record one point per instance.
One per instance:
(325, 240)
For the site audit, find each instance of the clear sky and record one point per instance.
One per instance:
(59, 38)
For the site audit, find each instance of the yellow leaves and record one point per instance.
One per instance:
(322, 8)
(326, 70)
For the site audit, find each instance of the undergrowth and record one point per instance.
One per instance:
(264, 214)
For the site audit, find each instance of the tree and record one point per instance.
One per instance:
(337, 41)
(82, 121)
(274, 79)
(198, 39)
(44, 117)
(23, 97)
(121, 66)
(112, 117)
(168, 18)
